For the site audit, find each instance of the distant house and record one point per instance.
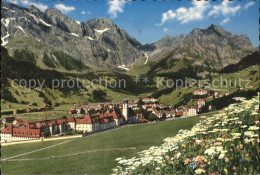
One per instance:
(118, 118)
(11, 133)
(170, 114)
(210, 108)
(190, 111)
(6, 134)
(18, 122)
(73, 111)
(26, 133)
(147, 106)
(132, 118)
(159, 114)
(86, 108)
(96, 122)
(72, 122)
(201, 102)
(141, 118)
(86, 124)
(179, 109)
(201, 92)
(51, 127)
(133, 105)
(160, 106)
(178, 113)
(8, 119)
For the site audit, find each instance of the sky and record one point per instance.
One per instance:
(148, 21)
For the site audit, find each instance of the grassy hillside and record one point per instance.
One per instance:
(138, 137)
(246, 62)
(28, 49)
(225, 143)
(22, 68)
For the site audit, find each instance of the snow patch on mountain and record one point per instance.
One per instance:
(6, 21)
(123, 67)
(74, 34)
(90, 38)
(147, 57)
(34, 17)
(3, 39)
(19, 27)
(101, 31)
(45, 23)
(9, 9)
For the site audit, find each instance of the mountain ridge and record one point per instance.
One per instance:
(94, 47)
(100, 43)
(210, 49)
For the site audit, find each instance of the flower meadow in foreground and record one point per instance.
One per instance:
(224, 143)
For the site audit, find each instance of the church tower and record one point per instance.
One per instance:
(125, 108)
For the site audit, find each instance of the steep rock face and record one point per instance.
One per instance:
(101, 43)
(65, 23)
(115, 41)
(204, 50)
(163, 45)
(97, 43)
(213, 46)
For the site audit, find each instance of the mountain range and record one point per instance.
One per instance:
(52, 40)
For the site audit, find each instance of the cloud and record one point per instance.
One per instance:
(248, 5)
(224, 9)
(115, 7)
(165, 29)
(64, 9)
(167, 16)
(185, 15)
(224, 21)
(39, 5)
(85, 12)
(13, 1)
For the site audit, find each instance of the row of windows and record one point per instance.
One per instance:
(18, 133)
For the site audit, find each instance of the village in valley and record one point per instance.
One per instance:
(85, 118)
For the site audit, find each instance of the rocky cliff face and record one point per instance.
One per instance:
(212, 47)
(115, 40)
(165, 44)
(98, 42)
(101, 43)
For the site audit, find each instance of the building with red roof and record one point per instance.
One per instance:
(190, 110)
(178, 113)
(11, 133)
(150, 100)
(201, 102)
(8, 119)
(6, 134)
(201, 92)
(18, 122)
(117, 118)
(72, 122)
(95, 122)
(51, 127)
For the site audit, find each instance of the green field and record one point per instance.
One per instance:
(139, 137)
